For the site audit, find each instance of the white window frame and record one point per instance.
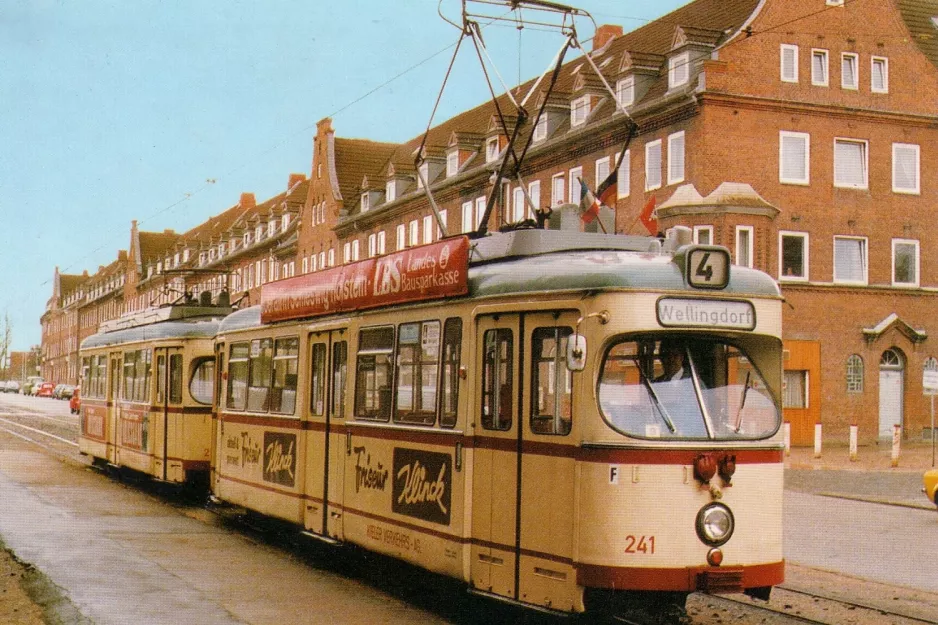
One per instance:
(918, 262)
(574, 191)
(534, 192)
(540, 128)
(444, 217)
(854, 58)
(372, 245)
(601, 171)
(625, 91)
(366, 202)
(864, 260)
(624, 179)
(346, 252)
(427, 229)
(401, 237)
(835, 3)
(558, 189)
(698, 230)
(491, 149)
(382, 240)
(579, 110)
(788, 48)
(650, 184)
(452, 163)
(679, 70)
(423, 172)
(749, 247)
(468, 223)
(815, 80)
(390, 191)
(885, 63)
(676, 170)
(517, 204)
(413, 233)
(331, 257)
(805, 258)
(782, 177)
(865, 150)
(356, 250)
(916, 152)
(481, 203)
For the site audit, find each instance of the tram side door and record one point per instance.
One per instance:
(494, 535)
(166, 428)
(326, 434)
(113, 405)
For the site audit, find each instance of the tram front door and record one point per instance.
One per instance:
(325, 439)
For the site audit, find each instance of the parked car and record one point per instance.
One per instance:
(930, 479)
(11, 386)
(57, 391)
(74, 404)
(45, 389)
(65, 391)
(31, 385)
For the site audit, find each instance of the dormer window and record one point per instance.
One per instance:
(176, 260)
(625, 91)
(540, 128)
(491, 149)
(248, 238)
(201, 258)
(366, 202)
(258, 232)
(285, 221)
(579, 110)
(185, 255)
(423, 173)
(452, 163)
(159, 267)
(390, 191)
(211, 255)
(678, 70)
(271, 227)
(221, 249)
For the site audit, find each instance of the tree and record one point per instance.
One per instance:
(6, 337)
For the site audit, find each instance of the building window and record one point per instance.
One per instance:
(372, 245)
(481, 203)
(794, 157)
(850, 260)
(744, 238)
(795, 390)
(789, 63)
(653, 165)
(575, 187)
(601, 170)
(390, 191)
(849, 71)
(679, 70)
(850, 164)
(491, 149)
(879, 74)
(624, 178)
(427, 229)
(854, 374)
(346, 252)
(366, 202)
(820, 65)
(534, 193)
(517, 204)
(703, 235)
(625, 91)
(793, 255)
(676, 158)
(423, 174)
(905, 168)
(540, 128)
(557, 190)
(467, 223)
(414, 233)
(579, 110)
(452, 163)
(381, 242)
(356, 245)
(401, 237)
(444, 219)
(905, 262)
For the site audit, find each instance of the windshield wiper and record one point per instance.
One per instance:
(742, 402)
(657, 401)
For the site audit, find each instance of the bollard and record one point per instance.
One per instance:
(896, 437)
(817, 440)
(853, 443)
(787, 438)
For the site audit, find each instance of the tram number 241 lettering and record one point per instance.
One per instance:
(642, 545)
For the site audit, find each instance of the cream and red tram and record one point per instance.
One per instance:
(494, 410)
(148, 381)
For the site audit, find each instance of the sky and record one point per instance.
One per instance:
(165, 111)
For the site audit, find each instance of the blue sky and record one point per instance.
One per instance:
(112, 110)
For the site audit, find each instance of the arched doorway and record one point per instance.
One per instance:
(891, 390)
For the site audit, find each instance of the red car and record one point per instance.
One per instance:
(74, 403)
(45, 389)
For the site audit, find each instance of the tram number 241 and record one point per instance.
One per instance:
(642, 545)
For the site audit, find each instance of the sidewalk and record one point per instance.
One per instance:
(913, 457)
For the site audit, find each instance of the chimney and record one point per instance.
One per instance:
(605, 34)
(294, 180)
(247, 200)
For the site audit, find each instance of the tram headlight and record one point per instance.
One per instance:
(715, 524)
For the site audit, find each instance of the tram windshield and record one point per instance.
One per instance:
(685, 388)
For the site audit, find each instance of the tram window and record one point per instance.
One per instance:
(238, 376)
(160, 378)
(102, 376)
(700, 388)
(259, 375)
(339, 378)
(418, 363)
(373, 374)
(136, 376)
(283, 393)
(497, 372)
(175, 379)
(202, 384)
(317, 391)
(449, 385)
(551, 404)
(86, 376)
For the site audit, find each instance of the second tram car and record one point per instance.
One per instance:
(568, 421)
(148, 380)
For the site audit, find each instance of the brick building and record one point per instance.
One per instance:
(795, 132)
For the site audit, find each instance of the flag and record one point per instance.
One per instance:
(589, 205)
(647, 216)
(609, 188)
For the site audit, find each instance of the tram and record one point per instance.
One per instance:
(568, 421)
(148, 382)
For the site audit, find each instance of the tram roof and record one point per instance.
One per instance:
(164, 330)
